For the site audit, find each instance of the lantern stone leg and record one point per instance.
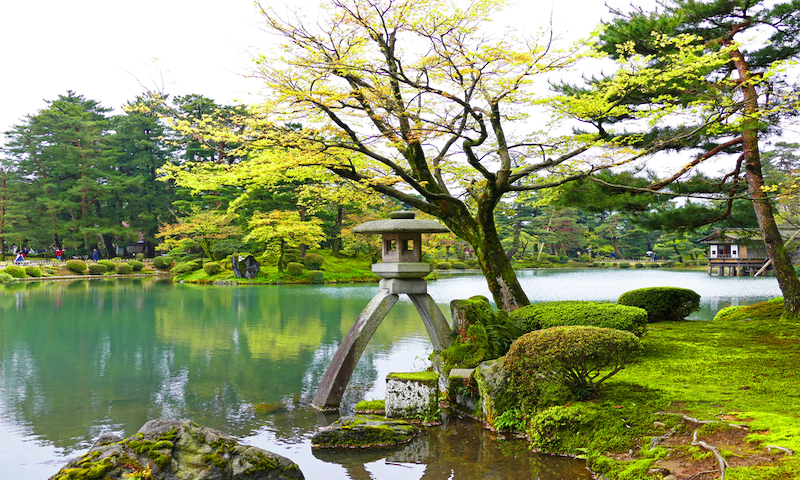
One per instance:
(438, 329)
(331, 389)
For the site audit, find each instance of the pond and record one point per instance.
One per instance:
(81, 358)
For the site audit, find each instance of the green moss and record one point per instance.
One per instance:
(426, 377)
(371, 406)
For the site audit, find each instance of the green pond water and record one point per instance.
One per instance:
(81, 358)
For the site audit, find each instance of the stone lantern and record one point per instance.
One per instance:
(401, 272)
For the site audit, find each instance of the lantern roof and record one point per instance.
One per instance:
(401, 221)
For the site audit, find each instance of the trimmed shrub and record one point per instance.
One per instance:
(460, 266)
(139, 256)
(76, 266)
(444, 266)
(162, 262)
(97, 269)
(15, 271)
(668, 264)
(294, 269)
(314, 261)
(124, 268)
(317, 277)
(638, 265)
(553, 258)
(596, 314)
(33, 271)
(585, 258)
(702, 261)
(212, 268)
(136, 265)
(6, 278)
(186, 267)
(624, 265)
(563, 259)
(663, 303)
(578, 357)
(654, 265)
(110, 266)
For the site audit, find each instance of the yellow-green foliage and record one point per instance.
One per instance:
(96, 269)
(15, 271)
(294, 269)
(162, 262)
(33, 271)
(580, 358)
(314, 261)
(136, 265)
(76, 266)
(212, 268)
(124, 268)
(663, 303)
(597, 314)
(110, 266)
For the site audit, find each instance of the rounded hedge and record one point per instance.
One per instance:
(460, 266)
(124, 268)
(663, 303)
(579, 357)
(6, 278)
(316, 276)
(553, 258)
(97, 269)
(186, 267)
(15, 271)
(110, 266)
(212, 268)
(444, 266)
(294, 269)
(139, 256)
(136, 265)
(597, 314)
(76, 266)
(162, 262)
(314, 261)
(624, 265)
(33, 271)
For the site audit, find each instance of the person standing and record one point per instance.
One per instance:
(95, 255)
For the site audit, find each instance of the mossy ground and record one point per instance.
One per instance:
(741, 370)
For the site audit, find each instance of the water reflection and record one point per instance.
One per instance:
(81, 358)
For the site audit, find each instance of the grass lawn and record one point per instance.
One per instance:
(740, 373)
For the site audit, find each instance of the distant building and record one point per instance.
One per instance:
(739, 251)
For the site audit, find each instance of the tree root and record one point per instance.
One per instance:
(785, 450)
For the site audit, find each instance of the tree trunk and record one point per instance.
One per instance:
(496, 267)
(303, 246)
(336, 241)
(787, 278)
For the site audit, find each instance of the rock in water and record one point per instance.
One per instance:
(177, 450)
(364, 431)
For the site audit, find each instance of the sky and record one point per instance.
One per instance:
(112, 51)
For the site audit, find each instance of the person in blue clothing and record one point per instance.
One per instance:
(95, 255)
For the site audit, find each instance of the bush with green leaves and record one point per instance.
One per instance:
(97, 269)
(317, 277)
(444, 266)
(553, 258)
(314, 261)
(6, 278)
(538, 316)
(162, 262)
(139, 256)
(136, 265)
(33, 271)
(624, 265)
(212, 268)
(15, 271)
(585, 258)
(294, 269)
(702, 261)
(124, 268)
(663, 303)
(638, 265)
(76, 266)
(110, 266)
(578, 357)
(186, 267)
(654, 265)
(460, 266)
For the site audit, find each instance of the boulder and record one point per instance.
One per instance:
(245, 267)
(177, 450)
(412, 395)
(364, 431)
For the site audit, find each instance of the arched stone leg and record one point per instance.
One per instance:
(331, 389)
(438, 328)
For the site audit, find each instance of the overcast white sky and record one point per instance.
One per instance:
(103, 49)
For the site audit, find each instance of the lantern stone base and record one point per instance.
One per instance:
(401, 269)
(409, 286)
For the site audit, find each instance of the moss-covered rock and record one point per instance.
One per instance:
(177, 449)
(364, 431)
